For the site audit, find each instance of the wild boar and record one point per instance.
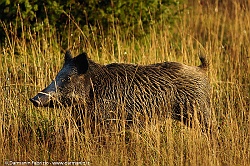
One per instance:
(168, 89)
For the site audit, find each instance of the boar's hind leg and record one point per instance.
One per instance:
(185, 113)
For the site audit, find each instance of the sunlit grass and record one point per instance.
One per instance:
(29, 62)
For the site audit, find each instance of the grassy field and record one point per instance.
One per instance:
(29, 61)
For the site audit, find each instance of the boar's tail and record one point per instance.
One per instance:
(204, 63)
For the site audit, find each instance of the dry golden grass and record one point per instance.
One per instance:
(29, 62)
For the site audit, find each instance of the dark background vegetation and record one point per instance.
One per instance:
(101, 16)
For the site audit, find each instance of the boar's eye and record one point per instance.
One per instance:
(66, 79)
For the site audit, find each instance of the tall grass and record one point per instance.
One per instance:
(29, 61)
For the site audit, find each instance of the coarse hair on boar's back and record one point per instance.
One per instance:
(168, 89)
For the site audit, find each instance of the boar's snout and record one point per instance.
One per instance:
(35, 102)
(41, 100)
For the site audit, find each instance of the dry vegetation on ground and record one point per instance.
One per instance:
(29, 62)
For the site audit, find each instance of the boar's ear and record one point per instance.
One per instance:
(68, 56)
(81, 62)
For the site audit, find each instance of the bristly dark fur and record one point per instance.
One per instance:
(107, 91)
(167, 88)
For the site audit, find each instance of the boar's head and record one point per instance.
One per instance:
(70, 85)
